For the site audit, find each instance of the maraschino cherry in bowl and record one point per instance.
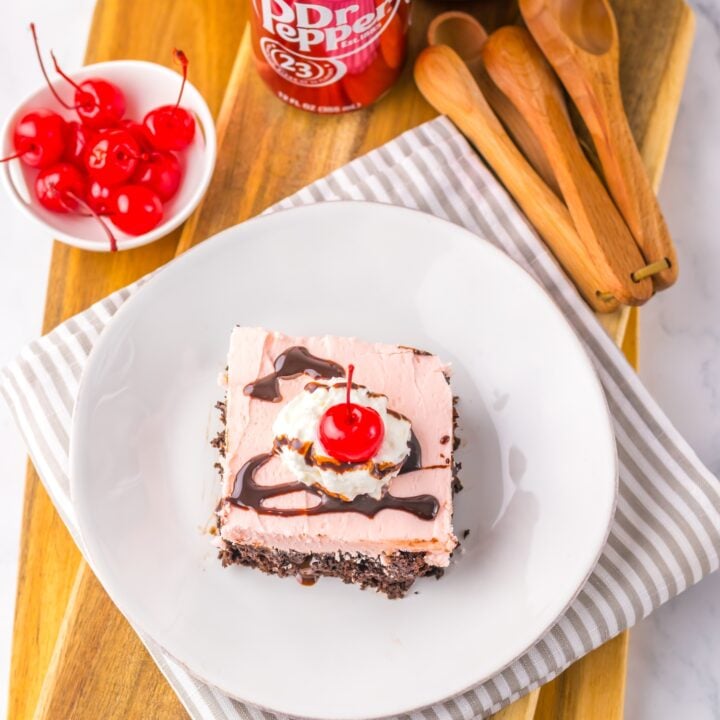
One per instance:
(80, 196)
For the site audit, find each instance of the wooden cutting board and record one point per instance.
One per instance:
(74, 656)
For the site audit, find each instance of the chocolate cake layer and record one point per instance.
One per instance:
(392, 575)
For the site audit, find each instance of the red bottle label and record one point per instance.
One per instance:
(330, 55)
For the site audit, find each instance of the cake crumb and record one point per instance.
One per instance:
(465, 534)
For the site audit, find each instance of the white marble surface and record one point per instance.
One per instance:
(675, 654)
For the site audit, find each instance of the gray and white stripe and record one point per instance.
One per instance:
(666, 532)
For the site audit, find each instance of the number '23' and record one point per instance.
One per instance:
(300, 69)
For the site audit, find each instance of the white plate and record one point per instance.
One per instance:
(538, 458)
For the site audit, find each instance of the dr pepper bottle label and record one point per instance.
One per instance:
(330, 56)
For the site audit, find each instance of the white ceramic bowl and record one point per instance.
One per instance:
(146, 85)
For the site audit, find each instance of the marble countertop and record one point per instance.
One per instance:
(674, 655)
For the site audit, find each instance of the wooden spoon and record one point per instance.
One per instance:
(445, 81)
(518, 68)
(580, 39)
(466, 36)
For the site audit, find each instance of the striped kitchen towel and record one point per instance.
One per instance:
(666, 532)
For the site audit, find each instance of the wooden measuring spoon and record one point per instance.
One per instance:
(445, 81)
(518, 68)
(466, 36)
(580, 39)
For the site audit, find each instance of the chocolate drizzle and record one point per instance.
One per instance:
(290, 363)
(378, 470)
(414, 350)
(248, 494)
(414, 459)
(311, 387)
(305, 574)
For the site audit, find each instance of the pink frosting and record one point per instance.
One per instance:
(415, 386)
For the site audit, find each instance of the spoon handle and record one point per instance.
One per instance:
(448, 86)
(466, 36)
(583, 48)
(517, 66)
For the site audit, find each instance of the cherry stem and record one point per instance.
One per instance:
(181, 58)
(44, 71)
(143, 156)
(66, 77)
(13, 157)
(351, 370)
(83, 204)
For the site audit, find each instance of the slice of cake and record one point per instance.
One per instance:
(322, 479)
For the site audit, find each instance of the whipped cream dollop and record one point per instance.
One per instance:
(299, 446)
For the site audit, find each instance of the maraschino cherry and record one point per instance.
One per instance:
(137, 130)
(135, 209)
(61, 188)
(160, 172)
(98, 102)
(39, 139)
(350, 432)
(78, 137)
(112, 156)
(98, 197)
(171, 127)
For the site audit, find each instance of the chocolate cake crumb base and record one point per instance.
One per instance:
(219, 442)
(393, 574)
